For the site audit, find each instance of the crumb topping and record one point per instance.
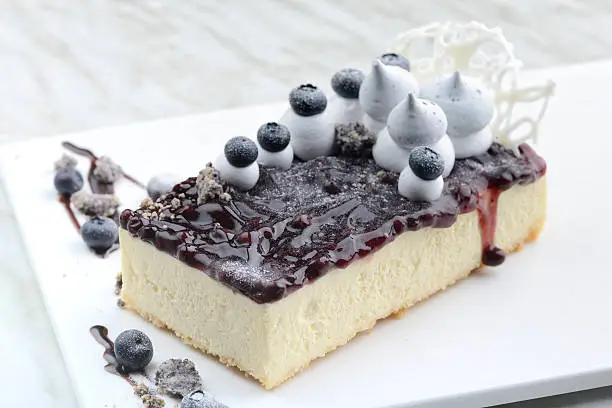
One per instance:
(354, 140)
(103, 205)
(210, 187)
(64, 162)
(177, 377)
(146, 396)
(107, 171)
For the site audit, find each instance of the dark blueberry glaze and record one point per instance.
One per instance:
(291, 228)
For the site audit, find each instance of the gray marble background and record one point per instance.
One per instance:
(68, 65)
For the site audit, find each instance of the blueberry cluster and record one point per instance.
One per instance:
(99, 233)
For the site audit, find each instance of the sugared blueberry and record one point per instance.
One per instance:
(307, 100)
(273, 137)
(391, 58)
(133, 350)
(161, 184)
(68, 181)
(99, 233)
(426, 163)
(200, 399)
(347, 82)
(240, 151)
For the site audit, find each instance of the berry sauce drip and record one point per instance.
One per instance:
(487, 219)
(100, 335)
(291, 228)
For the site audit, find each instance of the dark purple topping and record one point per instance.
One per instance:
(347, 82)
(273, 137)
(177, 377)
(289, 229)
(391, 58)
(240, 151)
(354, 140)
(426, 163)
(307, 100)
(68, 181)
(133, 350)
(100, 234)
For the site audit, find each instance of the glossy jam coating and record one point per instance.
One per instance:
(291, 228)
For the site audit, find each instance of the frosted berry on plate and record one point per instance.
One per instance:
(133, 350)
(68, 180)
(99, 233)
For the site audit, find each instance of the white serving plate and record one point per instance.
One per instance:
(539, 325)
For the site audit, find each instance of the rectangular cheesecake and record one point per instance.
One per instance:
(311, 256)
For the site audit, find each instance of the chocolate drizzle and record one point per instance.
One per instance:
(65, 200)
(96, 185)
(291, 228)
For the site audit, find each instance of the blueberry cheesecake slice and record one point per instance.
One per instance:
(268, 263)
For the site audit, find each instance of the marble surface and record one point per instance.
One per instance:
(68, 65)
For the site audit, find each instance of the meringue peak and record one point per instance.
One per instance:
(469, 108)
(411, 103)
(383, 88)
(457, 81)
(415, 122)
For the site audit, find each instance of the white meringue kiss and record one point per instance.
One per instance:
(388, 155)
(280, 160)
(344, 110)
(243, 178)
(383, 88)
(415, 188)
(311, 136)
(473, 145)
(416, 122)
(468, 108)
